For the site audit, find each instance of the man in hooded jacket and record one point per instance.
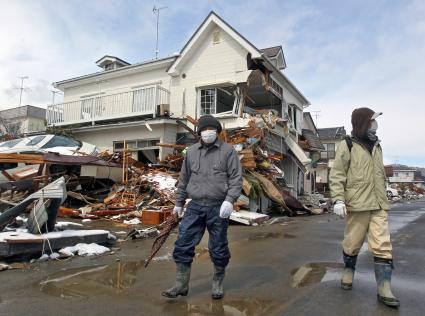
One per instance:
(211, 176)
(357, 184)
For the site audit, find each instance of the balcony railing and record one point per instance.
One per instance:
(138, 102)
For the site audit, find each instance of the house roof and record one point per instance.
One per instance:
(111, 58)
(271, 51)
(252, 49)
(23, 111)
(307, 116)
(402, 168)
(331, 133)
(275, 52)
(313, 140)
(212, 18)
(113, 71)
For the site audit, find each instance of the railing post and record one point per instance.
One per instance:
(155, 100)
(92, 111)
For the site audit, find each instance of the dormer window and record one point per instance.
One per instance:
(275, 56)
(111, 62)
(109, 66)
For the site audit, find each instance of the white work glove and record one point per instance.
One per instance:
(226, 209)
(178, 210)
(340, 209)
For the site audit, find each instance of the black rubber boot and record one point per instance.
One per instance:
(182, 281)
(348, 272)
(217, 283)
(383, 272)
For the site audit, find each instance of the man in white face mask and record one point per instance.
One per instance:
(211, 176)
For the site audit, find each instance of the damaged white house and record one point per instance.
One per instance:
(217, 72)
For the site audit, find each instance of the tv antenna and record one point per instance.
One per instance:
(316, 115)
(156, 11)
(54, 92)
(22, 88)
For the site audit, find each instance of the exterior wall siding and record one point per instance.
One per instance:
(210, 63)
(117, 85)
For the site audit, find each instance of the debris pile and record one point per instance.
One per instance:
(147, 198)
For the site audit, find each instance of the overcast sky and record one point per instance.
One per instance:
(340, 54)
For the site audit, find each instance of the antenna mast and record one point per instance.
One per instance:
(156, 10)
(22, 88)
(316, 115)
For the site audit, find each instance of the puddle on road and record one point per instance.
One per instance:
(93, 280)
(316, 272)
(230, 307)
(261, 236)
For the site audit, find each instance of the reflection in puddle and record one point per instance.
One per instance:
(313, 273)
(89, 281)
(228, 307)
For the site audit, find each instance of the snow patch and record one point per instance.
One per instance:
(84, 250)
(134, 221)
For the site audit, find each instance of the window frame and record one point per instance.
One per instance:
(212, 108)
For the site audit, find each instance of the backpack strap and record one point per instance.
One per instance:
(349, 142)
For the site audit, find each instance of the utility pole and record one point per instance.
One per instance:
(54, 92)
(22, 88)
(156, 10)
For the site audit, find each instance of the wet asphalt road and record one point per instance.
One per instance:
(288, 268)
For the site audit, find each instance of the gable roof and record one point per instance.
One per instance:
(213, 19)
(275, 52)
(137, 66)
(331, 133)
(271, 51)
(112, 59)
(307, 116)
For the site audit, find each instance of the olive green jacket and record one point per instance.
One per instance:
(358, 178)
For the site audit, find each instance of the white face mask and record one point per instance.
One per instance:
(373, 126)
(208, 136)
(371, 132)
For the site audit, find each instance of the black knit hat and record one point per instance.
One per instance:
(208, 121)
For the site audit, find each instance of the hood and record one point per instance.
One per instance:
(360, 119)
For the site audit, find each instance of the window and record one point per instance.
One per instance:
(276, 88)
(34, 141)
(109, 66)
(11, 143)
(118, 146)
(208, 104)
(292, 113)
(61, 141)
(396, 174)
(135, 145)
(329, 153)
(219, 100)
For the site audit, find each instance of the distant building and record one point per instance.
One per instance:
(310, 142)
(22, 120)
(405, 174)
(330, 138)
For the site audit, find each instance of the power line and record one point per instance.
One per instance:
(156, 10)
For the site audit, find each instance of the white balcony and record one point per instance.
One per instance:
(138, 102)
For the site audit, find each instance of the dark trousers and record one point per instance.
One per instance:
(192, 228)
